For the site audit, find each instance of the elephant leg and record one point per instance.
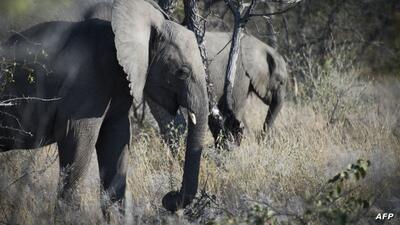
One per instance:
(274, 108)
(75, 151)
(112, 153)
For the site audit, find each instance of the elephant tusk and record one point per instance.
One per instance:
(192, 117)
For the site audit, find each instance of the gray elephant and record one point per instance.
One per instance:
(261, 70)
(62, 82)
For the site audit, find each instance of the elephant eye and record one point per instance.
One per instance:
(183, 73)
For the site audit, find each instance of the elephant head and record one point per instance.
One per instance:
(266, 69)
(162, 58)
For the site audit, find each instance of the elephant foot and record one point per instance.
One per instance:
(173, 201)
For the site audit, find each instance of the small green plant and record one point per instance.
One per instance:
(336, 203)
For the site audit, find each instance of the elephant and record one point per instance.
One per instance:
(73, 83)
(261, 70)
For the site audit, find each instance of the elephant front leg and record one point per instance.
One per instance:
(112, 152)
(75, 152)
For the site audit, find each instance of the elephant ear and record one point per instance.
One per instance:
(258, 64)
(133, 22)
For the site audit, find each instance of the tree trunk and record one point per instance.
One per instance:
(231, 124)
(192, 21)
(271, 38)
(232, 61)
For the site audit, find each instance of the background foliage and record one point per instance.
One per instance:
(368, 26)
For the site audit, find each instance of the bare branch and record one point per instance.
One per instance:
(169, 6)
(16, 129)
(11, 101)
(292, 4)
(25, 38)
(192, 21)
(219, 52)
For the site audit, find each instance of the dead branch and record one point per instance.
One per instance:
(193, 22)
(169, 6)
(239, 23)
(12, 101)
(291, 5)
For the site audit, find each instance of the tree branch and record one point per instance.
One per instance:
(11, 101)
(292, 4)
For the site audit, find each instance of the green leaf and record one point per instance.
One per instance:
(338, 189)
(335, 178)
(357, 176)
(363, 172)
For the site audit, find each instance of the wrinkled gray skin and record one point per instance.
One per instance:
(261, 70)
(90, 99)
(92, 96)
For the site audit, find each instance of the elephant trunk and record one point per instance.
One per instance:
(197, 128)
(275, 106)
(194, 147)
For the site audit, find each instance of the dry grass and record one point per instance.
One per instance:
(308, 146)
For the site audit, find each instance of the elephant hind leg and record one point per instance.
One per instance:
(75, 151)
(112, 153)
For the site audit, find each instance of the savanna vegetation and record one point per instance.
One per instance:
(333, 156)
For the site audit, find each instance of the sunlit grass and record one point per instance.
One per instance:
(283, 167)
